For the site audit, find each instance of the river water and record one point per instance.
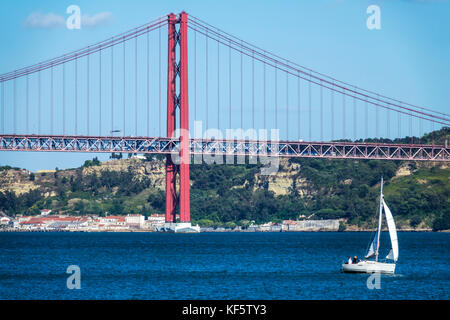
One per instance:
(302, 265)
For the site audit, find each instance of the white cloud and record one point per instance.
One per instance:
(41, 20)
(51, 20)
(98, 19)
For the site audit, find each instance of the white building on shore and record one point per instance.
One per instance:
(135, 220)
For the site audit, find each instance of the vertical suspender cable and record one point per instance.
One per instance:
(112, 88)
(410, 128)
(344, 114)
(3, 106)
(242, 91)
(276, 98)
(354, 117)
(264, 93)
(388, 124)
(229, 85)
(321, 111)
(124, 89)
(332, 112)
(64, 97)
(287, 105)
(432, 129)
(420, 124)
(253, 90)
(135, 87)
(206, 77)
(87, 94)
(76, 95)
(195, 75)
(15, 104)
(298, 106)
(367, 119)
(218, 85)
(27, 107)
(377, 121)
(39, 102)
(148, 84)
(310, 108)
(159, 57)
(399, 122)
(100, 92)
(51, 99)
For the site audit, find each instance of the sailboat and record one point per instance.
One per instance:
(371, 266)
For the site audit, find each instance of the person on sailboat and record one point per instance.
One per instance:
(355, 260)
(349, 260)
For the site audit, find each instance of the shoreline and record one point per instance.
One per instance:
(209, 231)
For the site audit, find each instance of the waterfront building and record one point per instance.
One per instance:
(135, 220)
(45, 212)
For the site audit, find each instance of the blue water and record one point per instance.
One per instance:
(216, 266)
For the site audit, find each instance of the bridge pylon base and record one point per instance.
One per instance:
(179, 227)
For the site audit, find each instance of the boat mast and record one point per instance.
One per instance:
(379, 219)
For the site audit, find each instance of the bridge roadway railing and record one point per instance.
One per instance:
(161, 145)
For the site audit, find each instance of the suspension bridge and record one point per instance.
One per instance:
(109, 97)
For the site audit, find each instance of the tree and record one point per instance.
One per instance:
(442, 222)
(31, 177)
(415, 221)
(116, 156)
(157, 201)
(117, 207)
(96, 162)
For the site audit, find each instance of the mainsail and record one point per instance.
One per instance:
(373, 249)
(393, 254)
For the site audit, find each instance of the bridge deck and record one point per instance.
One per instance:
(161, 145)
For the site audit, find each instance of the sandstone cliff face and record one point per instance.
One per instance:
(17, 181)
(409, 168)
(282, 182)
(154, 170)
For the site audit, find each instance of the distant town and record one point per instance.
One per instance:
(140, 223)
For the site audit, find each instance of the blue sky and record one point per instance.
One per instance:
(407, 59)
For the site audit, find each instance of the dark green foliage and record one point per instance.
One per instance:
(93, 162)
(116, 156)
(152, 157)
(12, 204)
(117, 207)
(415, 221)
(226, 193)
(157, 200)
(2, 168)
(442, 222)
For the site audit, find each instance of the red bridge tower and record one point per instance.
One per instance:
(178, 100)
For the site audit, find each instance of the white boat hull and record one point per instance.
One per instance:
(369, 267)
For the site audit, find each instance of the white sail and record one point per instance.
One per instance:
(393, 254)
(390, 255)
(373, 247)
